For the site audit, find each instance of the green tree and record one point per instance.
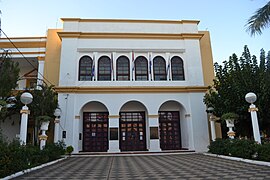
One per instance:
(259, 21)
(9, 75)
(234, 79)
(44, 103)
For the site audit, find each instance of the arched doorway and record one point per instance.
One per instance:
(169, 126)
(132, 125)
(95, 127)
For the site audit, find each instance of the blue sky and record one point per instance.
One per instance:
(225, 19)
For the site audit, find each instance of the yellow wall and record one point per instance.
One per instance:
(52, 57)
(207, 58)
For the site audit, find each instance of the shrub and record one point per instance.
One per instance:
(69, 150)
(264, 152)
(241, 148)
(219, 146)
(14, 157)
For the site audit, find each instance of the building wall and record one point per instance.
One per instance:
(96, 38)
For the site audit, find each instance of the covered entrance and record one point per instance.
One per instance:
(132, 131)
(132, 127)
(95, 132)
(169, 125)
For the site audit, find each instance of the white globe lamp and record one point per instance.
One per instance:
(251, 97)
(26, 98)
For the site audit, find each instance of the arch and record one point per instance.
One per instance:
(141, 69)
(132, 124)
(133, 105)
(170, 115)
(104, 68)
(122, 69)
(94, 106)
(177, 67)
(159, 65)
(85, 68)
(95, 127)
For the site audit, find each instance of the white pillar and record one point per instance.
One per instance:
(43, 137)
(40, 71)
(96, 65)
(213, 127)
(256, 132)
(56, 130)
(24, 121)
(114, 123)
(154, 124)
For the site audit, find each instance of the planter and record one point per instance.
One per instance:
(230, 123)
(44, 125)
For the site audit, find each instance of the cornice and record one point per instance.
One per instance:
(131, 21)
(83, 35)
(130, 89)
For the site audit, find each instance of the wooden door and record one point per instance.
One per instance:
(132, 131)
(95, 131)
(169, 127)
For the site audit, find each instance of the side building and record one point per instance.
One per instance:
(130, 85)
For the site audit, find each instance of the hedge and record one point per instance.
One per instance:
(242, 148)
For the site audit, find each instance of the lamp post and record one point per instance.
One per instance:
(210, 111)
(57, 114)
(251, 98)
(26, 98)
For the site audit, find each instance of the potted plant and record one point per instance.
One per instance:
(229, 118)
(69, 150)
(44, 122)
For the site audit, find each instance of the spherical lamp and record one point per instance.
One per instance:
(251, 97)
(26, 98)
(57, 112)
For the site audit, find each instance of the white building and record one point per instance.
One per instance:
(130, 85)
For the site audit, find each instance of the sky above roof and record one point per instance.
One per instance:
(225, 19)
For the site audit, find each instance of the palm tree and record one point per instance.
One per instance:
(259, 21)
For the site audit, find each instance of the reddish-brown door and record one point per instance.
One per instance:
(132, 131)
(95, 131)
(169, 127)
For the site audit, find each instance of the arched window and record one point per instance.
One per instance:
(104, 69)
(177, 67)
(141, 67)
(85, 68)
(159, 69)
(122, 69)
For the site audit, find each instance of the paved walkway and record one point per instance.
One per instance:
(171, 166)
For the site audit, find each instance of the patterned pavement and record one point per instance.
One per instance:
(169, 166)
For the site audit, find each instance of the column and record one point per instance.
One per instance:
(114, 133)
(154, 133)
(114, 67)
(168, 67)
(213, 127)
(56, 130)
(24, 121)
(132, 66)
(96, 65)
(256, 131)
(40, 71)
(151, 75)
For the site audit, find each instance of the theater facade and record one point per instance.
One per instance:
(130, 85)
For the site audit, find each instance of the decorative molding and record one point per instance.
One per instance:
(109, 50)
(26, 44)
(131, 21)
(23, 111)
(130, 35)
(252, 109)
(43, 137)
(130, 89)
(114, 116)
(153, 116)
